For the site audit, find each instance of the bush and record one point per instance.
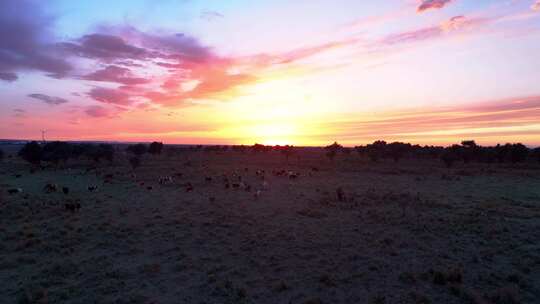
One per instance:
(56, 151)
(138, 149)
(518, 153)
(155, 148)
(31, 152)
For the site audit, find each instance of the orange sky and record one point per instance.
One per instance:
(428, 72)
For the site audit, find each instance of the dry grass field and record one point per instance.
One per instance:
(341, 231)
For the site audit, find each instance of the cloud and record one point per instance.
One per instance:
(113, 73)
(26, 43)
(104, 47)
(97, 111)
(432, 4)
(8, 76)
(210, 15)
(453, 25)
(111, 96)
(536, 6)
(51, 100)
(19, 113)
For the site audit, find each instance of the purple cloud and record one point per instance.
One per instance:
(97, 111)
(50, 100)
(111, 96)
(19, 113)
(26, 41)
(8, 76)
(113, 73)
(104, 47)
(432, 4)
(210, 15)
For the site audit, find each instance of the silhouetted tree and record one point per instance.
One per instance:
(287, 151)
(332, 150)
(31, 152)
(138, 149)
(155, 148)
(451, 155)
(536, 154)
(518, 153)
(56, 151)
(1, 155)
(396, 150)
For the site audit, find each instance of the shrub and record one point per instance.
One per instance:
(518, 153)
(138, 149)
(155, 148)
(31, 152)
(56, 151)
(536, 154)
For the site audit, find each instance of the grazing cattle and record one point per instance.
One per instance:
(212, 199)
(14, 190)
(257, 194)
(236, 185)
(92, 188)
(247, 188)
(265, 185)
(17, 175)
(50, 188)
(189, 187)
(109, 176)
(227, 185)
(149, 188)
(165, 180)
(65, 190)
(178, 174)
(208, 179)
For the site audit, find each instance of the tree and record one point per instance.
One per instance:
(138, 149)
(287, 151)
(536, 154)
(56, 151)
(518, 153)
(155, 148)
(397, 150)
(332, 150)
(31, 152)
(450, 155)
(1, 155)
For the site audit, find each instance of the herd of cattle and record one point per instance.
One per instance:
(231, 181)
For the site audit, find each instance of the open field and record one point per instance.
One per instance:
(406, 232)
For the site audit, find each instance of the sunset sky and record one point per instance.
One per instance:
(304, 72)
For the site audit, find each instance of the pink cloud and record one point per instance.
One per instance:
(113, 73)
(97, 111)
(432, 4)
(111, 96)
(536, 6)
